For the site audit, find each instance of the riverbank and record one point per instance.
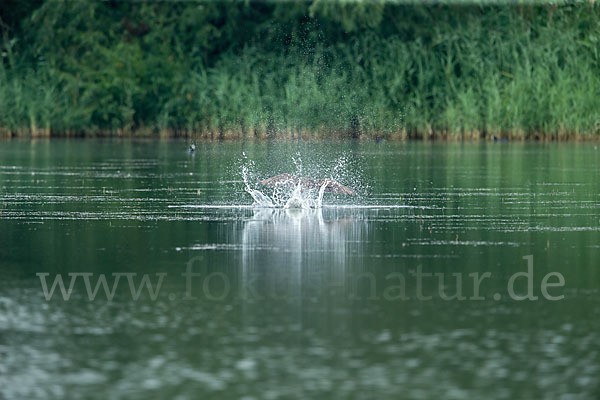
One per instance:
(260, 135)
(261, 70)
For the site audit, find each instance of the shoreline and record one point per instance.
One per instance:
(308, 135)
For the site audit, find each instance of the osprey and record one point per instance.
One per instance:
(307, 183)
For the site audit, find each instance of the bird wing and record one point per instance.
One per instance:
(308, 183)
(282, 179)
(336, 187)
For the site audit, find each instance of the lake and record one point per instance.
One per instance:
(460, 270)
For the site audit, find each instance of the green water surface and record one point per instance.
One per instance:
(277, 304)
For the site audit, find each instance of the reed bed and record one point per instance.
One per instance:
(451, 72)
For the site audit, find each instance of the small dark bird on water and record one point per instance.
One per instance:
(308, 183)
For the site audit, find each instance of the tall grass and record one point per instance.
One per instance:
(455, 72)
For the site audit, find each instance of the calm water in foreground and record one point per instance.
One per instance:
(299, 303)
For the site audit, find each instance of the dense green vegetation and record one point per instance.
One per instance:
(320, 68)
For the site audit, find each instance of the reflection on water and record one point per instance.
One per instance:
(309, 303)
(308, 250)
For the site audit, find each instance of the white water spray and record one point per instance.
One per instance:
(284, 196)
(260, 199)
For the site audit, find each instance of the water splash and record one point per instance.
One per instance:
(286, 196)
(298, 163)
(260, 199)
